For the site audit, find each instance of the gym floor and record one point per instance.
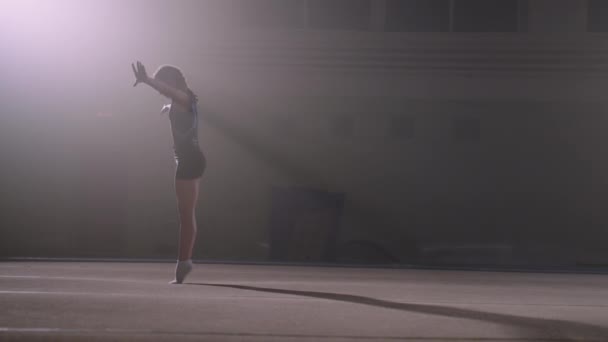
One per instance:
(121, 301)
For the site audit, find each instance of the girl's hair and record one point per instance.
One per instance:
(171, 75)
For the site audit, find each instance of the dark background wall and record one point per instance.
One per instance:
(448, 147)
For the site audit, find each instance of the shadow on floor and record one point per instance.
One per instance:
(537, 329)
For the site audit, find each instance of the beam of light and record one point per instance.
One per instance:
(66, 51)
(48, 28)
(48, 24)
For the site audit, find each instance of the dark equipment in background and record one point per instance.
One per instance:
(304, 224)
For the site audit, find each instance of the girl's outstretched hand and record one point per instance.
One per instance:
(140, 73)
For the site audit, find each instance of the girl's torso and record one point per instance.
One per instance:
(184, 128)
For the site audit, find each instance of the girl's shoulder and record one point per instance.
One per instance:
(193, 97)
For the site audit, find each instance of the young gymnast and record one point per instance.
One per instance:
(183, 114)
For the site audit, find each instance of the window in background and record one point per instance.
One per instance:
(466, 129)
(284, 126)
(485, 16)
(269, 13)
(339, 14)
(401, 127)
(342, 126)
(418, 15)
(524, 17)
(597, 12)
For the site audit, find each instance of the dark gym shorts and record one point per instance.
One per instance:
(190, 165)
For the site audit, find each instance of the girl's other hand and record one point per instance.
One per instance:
(141, 76)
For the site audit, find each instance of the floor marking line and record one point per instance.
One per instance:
(133, 332)
(279, 297)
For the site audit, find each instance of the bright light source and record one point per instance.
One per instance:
(28, 19)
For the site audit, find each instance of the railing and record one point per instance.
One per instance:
(585, 54)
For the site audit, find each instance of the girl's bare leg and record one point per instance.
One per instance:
(187, 196)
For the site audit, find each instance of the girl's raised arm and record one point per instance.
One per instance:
(178, 95)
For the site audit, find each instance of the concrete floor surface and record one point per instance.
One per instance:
(105, 301)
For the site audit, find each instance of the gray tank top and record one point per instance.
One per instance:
(184, 128)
